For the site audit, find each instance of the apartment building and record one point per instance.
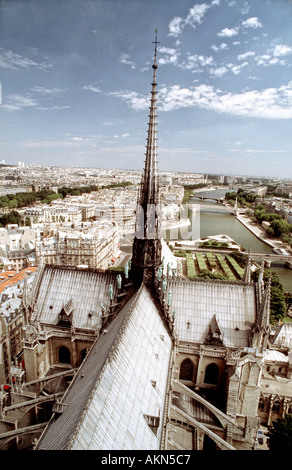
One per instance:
(93, 244)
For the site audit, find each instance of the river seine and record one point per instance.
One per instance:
(215, 223)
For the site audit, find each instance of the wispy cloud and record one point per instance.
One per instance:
(93, 88)
(245, 55)
(18, 102)
(133, 99)
(125, 59)
(270, 103)
(13, 61)
(194, 17)
(223, 46)
(275, 55)
(168, 55)
(53, 108)
(33, 99)
(253, 23)
(47, 91)
(196, 62)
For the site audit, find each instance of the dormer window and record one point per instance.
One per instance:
(66, 314)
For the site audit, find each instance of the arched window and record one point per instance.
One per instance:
(212, 374)
(186, 370)
(64, 355)
(276, 406)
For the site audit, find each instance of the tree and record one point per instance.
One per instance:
(27, 221)
(12, 204)
(280, 227)
(280, 434)
(278, 308)
(12, 217)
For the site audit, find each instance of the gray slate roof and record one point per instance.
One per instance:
(83, 289)
(197, 303)
(121, 382)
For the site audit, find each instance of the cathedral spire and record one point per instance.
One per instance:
(147, 242)
(149, 188)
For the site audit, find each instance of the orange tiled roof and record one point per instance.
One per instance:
(13, 277)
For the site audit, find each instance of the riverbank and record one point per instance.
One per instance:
(259, 232)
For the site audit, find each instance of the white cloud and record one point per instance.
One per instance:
(11, 60)
(219, 72)
(194, 17)
(93, 88)
(253, 23)
(133, 99)
(18, 102)
(125, 59)
(169, 55)
(116, 136)
(223, 46)
(195, 62)
(196, 14)
(275, 55)
(73, 143)
(282, 50)
(246, 55)
(245, 8)
(46, 91)
(176, 26)
(228, 32)
(56, 108)
(270, 103)
(236, 69)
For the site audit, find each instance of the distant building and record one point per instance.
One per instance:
(14, 237)
(260, 191)
(92, 244)
(284, 189)
(215, 178)
(60, 212)
(17, 247)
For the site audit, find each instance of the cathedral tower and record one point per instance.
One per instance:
(147, 241)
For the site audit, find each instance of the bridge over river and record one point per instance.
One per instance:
(218, 207)
(218, 200)
(272, 257)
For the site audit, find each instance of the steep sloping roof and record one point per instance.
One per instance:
(283, 336)
(120, 384)
(197, 302)
(85, 289)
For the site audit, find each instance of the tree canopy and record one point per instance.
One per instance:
(278, 306)
(280, 434)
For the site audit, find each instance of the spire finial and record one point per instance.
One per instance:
(155, 50)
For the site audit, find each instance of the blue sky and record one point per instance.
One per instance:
(76, 79)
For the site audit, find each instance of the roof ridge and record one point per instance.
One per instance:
(132, 301)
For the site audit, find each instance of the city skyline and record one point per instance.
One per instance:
(76, 81)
